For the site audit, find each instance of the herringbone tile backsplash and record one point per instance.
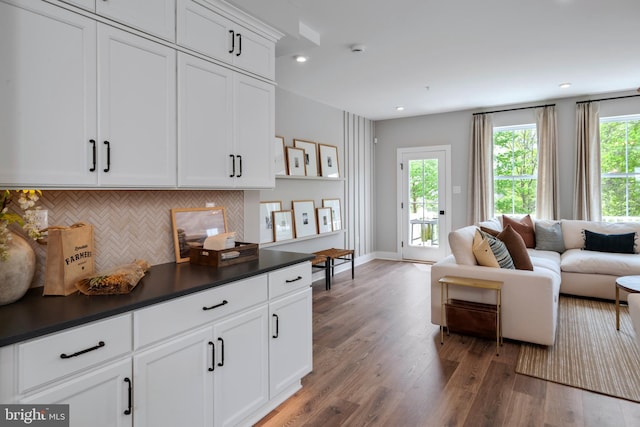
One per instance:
(131, 225)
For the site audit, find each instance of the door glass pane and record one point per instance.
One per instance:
(423, 202)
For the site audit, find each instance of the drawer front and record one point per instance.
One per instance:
(52, 357)
(289, 279)
(172, 317)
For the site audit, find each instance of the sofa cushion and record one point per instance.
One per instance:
(499, 250)
(591, 262)
(524, 227)
(461, 244)
(516, 247)
(616, 243)
(493, 224)
(572, 231)
(549, 237)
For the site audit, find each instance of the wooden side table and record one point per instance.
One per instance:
(472, 283)
(630, 284)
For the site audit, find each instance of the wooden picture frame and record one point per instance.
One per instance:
(266, 220)
(310, 155)
(329, 165)
(304, 217)
(280, 165)
(336, 212)
(191, 226)
(295, 162)
(282, 225)
(323, 218)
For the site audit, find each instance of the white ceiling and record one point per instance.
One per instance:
(434, 56)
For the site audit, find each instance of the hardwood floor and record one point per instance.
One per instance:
(378, 361)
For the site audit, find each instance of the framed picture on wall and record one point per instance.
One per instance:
(282, 225)
(266, 220)
(295, 161)
(192, 226)
(304, 217)
(336, 212)
(324, 220)
(280, 166)
(310, 155)
(329, 161)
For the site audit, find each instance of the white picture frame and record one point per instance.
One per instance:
(323, 218)
(336, 212)
(282, 225)
(191, 226)
(304, 218)
(310, 155)
(266, 220)
(280, 164)
(295, 162)
(329, 164)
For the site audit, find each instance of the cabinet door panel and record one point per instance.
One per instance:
(97, 399)
(256, 54)
(48, 95)
(156, 17)
(241, 384)
(137, 110)
(290, 345)
(254, 127)
(203, 30)
(173, 384)
(205, 123)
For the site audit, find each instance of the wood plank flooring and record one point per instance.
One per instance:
(378, 361)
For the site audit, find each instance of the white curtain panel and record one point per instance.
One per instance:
(587, 188)
(547, 206)
(481, 169)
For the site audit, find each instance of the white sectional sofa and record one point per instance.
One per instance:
(530, 298)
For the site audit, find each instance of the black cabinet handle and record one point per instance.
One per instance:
(240, 161)
(213, 356)
(293, 280)
(86, 350)
(108, 156)
(233, 165)
(128, 410)
(277, 326)
(224, 302)
(233, 41)
(239, 36)
(221, 363)
(93, 149)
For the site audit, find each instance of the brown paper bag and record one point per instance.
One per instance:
(69, 258)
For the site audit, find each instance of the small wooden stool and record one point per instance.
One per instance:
(347, 255)
(321, 261)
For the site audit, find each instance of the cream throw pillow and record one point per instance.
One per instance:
(482, 251)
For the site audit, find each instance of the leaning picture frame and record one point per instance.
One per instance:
(295, 161)
(310, 155)
(329, 167)
(323, 217)
(266, 220)
(304, 218)
(282, 225)
(280, 165)
(191, 226)
(336, 212)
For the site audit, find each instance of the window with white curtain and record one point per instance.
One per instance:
(515, 169)
(620, 168)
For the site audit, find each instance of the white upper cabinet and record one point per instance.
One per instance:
(47, 96)
(155, 17)
(204, 27)
(137, 111)
(85, 4)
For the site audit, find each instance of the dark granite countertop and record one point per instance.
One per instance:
(35, 315)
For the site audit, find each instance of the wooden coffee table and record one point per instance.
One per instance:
(630, 284)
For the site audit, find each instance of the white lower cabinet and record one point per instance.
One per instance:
(100, 398)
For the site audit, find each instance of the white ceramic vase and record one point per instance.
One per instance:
(16, 273)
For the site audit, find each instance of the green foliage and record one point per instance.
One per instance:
(423, 187)
(515, 164)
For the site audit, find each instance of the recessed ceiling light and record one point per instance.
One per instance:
(399, 108)
(301, 58)
(564, 85)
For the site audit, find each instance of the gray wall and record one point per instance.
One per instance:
(455, 129)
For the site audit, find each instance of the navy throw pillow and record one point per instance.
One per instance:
(617, 243)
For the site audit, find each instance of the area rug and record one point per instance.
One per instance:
(589, 352)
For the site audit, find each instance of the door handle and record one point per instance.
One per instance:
(240, 162)
(233, 41)
(93, 150)
(233, 165)
(239, 36)
(441, 212)
(108, 144)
